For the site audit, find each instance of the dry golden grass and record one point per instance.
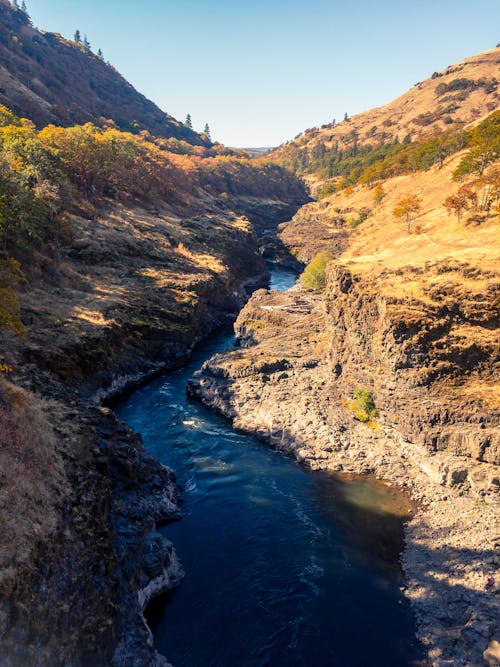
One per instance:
(479, 390)
(202, 260)
(31, 476)
(382, 242)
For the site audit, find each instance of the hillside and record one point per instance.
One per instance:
(49, 79)
(441, 106)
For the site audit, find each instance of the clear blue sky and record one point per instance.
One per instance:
(261, 71)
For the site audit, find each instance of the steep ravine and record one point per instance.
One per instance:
(132, 294)
(301, 354)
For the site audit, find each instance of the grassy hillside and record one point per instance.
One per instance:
(409, 204)
(50, 79)
(415, 131)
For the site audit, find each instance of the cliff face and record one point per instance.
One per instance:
(49, 79)
(428, 378)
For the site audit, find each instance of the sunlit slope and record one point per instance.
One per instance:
(50, 79)
(448, 101)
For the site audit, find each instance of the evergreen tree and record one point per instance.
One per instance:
(78, 37)
(86, 43)
(206, 131)
(188, 122)
(15, 3)
(100, 54)
(346, 117)
(24, 9)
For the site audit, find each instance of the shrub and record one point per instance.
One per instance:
(363, 405)
(363, 214)
(378, 194)
(10, 276)
(313, 276)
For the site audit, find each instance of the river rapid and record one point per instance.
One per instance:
(284, 566)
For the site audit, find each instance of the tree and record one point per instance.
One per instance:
(24, 9)
(457, 203)
(15, 3)
(86, 43)
(206, 132)
(378, 193)
(485, 148)
(100, 54)
(188, 122)
(406, 208)
(346, 117)
(78, 37)
(314, 276)
(489, 185)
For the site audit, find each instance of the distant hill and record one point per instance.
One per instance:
(446, 102)
(256, 152)
(50, 79)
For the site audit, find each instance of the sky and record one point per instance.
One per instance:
(259, 72)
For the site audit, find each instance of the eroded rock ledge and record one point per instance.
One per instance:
(428, 366)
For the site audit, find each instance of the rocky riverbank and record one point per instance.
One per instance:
(131, 295)
(291, 380)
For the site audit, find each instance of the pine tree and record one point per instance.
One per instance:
(206, 132)
(100, 54)
(86, 43)
(346, 117)
(188, 122)
(24, 9)
(15, 4)
(78, 37)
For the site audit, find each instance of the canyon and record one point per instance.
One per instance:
(131, 282)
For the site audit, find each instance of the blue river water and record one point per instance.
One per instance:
(284, 566)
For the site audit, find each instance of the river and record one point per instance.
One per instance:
(284, 566)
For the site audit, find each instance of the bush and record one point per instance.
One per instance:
(363, 214)
(363, 405)
(313, 276)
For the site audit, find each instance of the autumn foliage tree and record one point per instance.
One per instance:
(458, 202)
(407, 207)
(378, 193)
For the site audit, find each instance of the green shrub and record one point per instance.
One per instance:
(363, 405)
(313, 276)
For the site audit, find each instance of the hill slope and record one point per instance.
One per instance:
(446, 102)
(49, 79)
